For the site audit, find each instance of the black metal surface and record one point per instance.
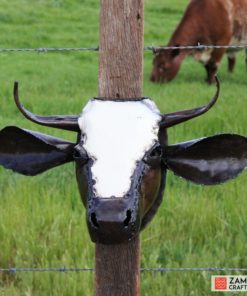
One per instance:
(208, 161)
(31, 153)
(172, 119)
(117, 219)
(120, 99)
(65, 122)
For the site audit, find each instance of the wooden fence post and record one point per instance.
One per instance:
(120, 76)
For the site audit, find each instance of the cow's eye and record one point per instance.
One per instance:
(153, 158)
(80, 154)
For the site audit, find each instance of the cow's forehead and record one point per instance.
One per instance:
(116, 135)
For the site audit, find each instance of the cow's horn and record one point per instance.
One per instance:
(65, 122)
(171, 119)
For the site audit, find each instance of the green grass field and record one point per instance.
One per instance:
(42, 221)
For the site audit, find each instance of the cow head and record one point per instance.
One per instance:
(166, 64)
(121, 157)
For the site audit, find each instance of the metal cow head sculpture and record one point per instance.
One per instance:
(121, 157)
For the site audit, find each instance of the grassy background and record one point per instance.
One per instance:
(42, 221)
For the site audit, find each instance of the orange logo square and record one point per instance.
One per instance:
(220, 283)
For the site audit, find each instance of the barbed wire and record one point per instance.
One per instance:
(198, 46)
(48, 49)
(27, 269)
(14, 270)
(146, 48)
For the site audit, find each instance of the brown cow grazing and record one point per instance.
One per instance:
(215, 22)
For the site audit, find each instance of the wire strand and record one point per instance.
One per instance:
(146, 48)
(198, 46)
(145, 269)
(48, 49)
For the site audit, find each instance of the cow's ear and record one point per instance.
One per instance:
(209, 160)
(31, 153)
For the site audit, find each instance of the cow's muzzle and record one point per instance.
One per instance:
(112, 220)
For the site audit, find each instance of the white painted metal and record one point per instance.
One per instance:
(117, 135)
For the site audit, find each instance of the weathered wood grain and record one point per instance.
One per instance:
(118, 269)
(121, 48)
(120, 76)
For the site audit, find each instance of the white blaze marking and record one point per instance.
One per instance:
(203, 56)
(116, 136)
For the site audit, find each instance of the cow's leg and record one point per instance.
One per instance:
(231, 56)
(231, 61)
(212, 65)
(211, 68)
(246, 59)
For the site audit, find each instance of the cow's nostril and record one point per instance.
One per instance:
(94, 220)
(128, 218)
